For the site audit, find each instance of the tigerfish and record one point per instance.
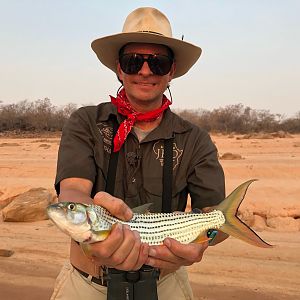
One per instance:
(92, 223)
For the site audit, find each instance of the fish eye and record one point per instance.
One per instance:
(71, 206)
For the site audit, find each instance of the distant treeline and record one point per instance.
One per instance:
(41, 115)
(37, 116)
(240, 119)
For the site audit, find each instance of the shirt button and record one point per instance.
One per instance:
(133, 180)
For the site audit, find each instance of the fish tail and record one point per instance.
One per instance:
(233, 225)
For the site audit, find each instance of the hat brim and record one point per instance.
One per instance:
(107, 49)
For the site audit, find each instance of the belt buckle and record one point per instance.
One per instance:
(103, 275)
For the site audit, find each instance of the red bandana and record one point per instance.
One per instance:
(124, 108)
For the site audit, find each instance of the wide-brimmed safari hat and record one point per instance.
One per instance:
(146, 25)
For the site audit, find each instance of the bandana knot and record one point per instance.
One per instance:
(125, 109)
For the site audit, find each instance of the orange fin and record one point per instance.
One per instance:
(101, 235)
(201, 238)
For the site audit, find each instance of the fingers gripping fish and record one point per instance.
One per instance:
(92, 223)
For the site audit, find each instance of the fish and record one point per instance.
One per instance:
(89, 223)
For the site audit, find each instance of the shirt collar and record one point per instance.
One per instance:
(169, 125)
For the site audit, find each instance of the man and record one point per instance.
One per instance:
(145, 59)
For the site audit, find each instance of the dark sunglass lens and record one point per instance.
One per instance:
(160, 64)
(131, 63)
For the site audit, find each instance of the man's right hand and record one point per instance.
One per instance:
(122, 249)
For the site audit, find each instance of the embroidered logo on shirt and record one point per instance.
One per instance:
(158, 149)
(107, 135)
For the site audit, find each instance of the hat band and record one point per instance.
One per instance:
(149, 31)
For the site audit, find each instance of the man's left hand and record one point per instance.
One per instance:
(172, 255)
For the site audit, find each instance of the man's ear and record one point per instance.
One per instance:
(119, 72)
(172, 71)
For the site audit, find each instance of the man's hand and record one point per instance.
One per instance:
(172, 255)
(122, 249)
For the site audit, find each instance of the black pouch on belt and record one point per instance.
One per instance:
(132, 285)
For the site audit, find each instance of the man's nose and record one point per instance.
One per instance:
(145, 70)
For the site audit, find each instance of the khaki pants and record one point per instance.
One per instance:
(70, 285)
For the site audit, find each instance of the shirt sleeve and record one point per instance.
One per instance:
(76, 150)
(206, 183)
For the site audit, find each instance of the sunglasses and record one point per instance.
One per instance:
(131, 63)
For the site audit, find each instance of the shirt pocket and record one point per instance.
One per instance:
(153, 187)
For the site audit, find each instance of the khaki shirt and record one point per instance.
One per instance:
(85, 151)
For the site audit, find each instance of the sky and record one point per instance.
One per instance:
(250, 51)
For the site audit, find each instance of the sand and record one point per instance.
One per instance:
(231, 270)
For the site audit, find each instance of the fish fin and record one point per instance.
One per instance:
(142, 209)
(201, 238)
(178, 212)
(86, 249)
(100, 235)
(233, 225)
(196, 211)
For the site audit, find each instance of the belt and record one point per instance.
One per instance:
(130, 276)
(101, 281)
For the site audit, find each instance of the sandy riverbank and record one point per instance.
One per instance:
(232, 270)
